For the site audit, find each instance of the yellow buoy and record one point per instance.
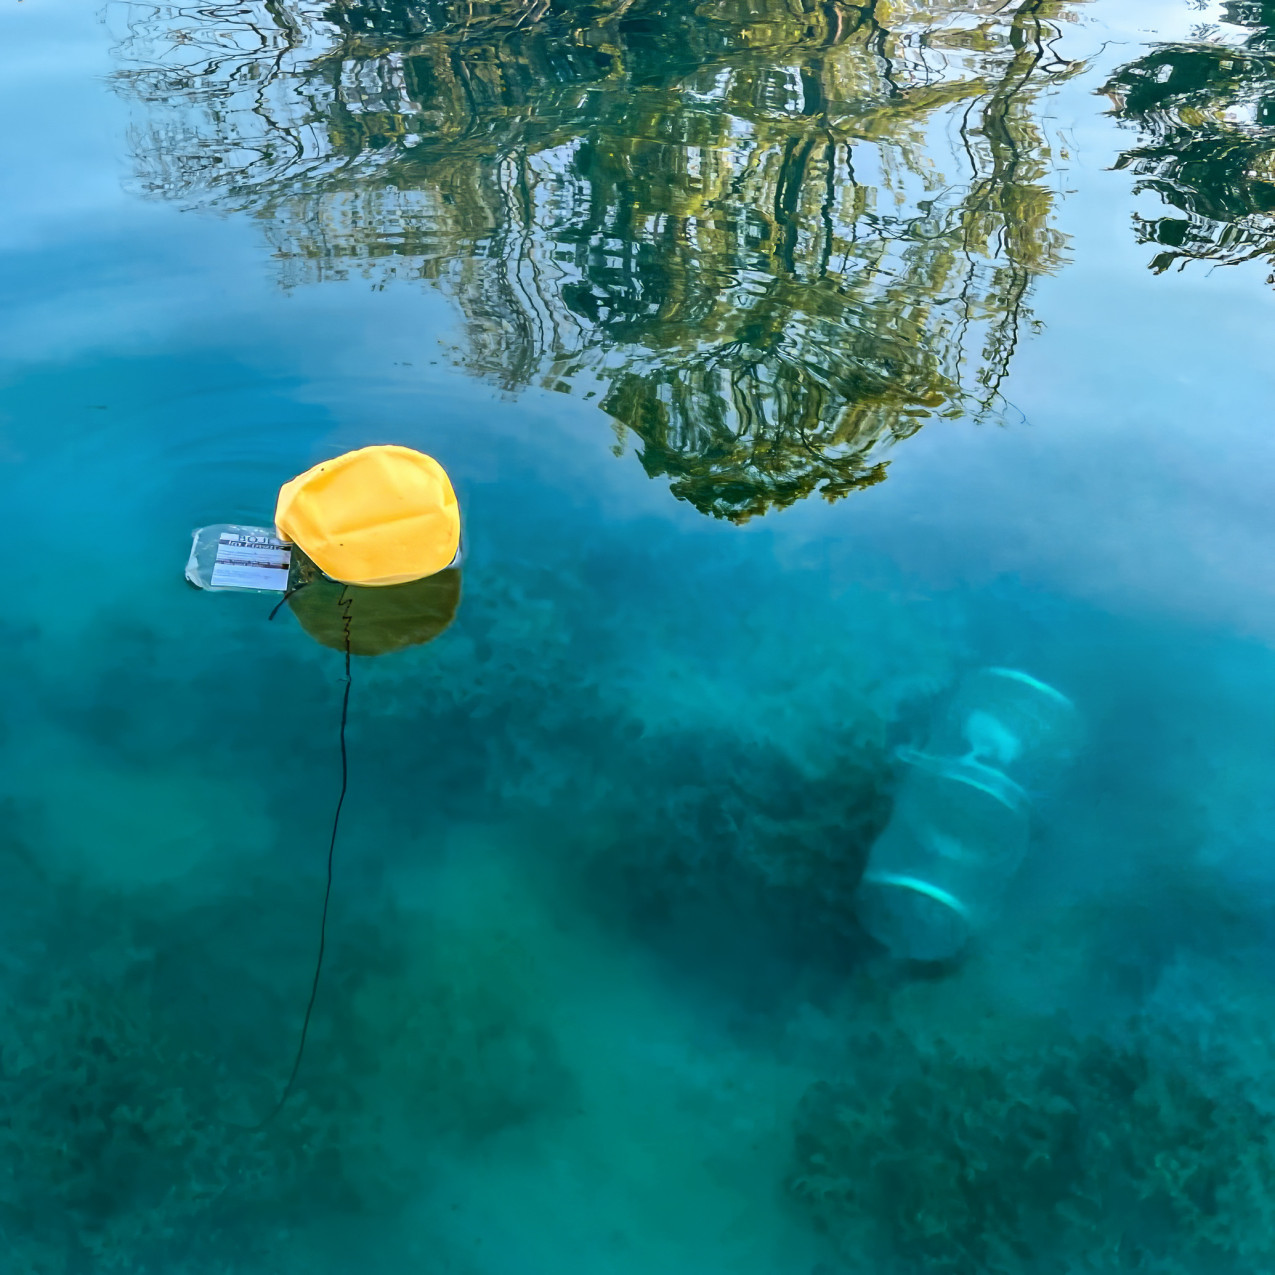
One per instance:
(376, 516)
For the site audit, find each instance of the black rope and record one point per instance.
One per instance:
(345, 603)
(291, 593)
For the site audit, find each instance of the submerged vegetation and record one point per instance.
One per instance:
(128, 1142)
(115, 1154)
(1205, 113)
(769, 241)
(645, 760)
(1057, 1155)
(141, 1061)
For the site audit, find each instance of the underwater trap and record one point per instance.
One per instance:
(938, 872)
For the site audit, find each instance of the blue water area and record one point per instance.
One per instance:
(792, 363)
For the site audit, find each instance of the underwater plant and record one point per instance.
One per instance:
(116, 1156)
(741, 779)
(145, 1042)
(1055, 1155)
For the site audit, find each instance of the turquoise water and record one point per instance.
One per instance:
(595, 998)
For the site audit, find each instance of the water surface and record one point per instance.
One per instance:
(790, 362)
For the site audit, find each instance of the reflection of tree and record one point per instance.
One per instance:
(729, 221)
(1206, 112)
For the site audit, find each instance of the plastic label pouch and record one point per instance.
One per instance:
(228, 556)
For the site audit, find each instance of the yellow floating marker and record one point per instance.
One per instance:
(376, 516)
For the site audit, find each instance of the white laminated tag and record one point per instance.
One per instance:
(251, 561)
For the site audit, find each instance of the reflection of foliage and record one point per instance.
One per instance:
(731, 222)
(1206, 112)
(1063, 1155)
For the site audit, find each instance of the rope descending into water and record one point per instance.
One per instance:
(345, 603)
(296, 588)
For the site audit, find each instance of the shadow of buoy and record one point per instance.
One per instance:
(381, 619)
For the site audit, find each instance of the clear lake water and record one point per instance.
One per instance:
(792, 361)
